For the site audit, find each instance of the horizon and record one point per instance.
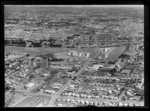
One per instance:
(79, 6)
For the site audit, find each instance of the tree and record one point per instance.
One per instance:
(124, 56)
(27, 55)
(45, 44)
(28, 44)
(124, 98)
(111, 62)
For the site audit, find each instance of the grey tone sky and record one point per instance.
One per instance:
(79, 6)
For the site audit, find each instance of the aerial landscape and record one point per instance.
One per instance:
(74, 55)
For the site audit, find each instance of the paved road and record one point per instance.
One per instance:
(96, 40)
(109, 77)
(38, 102)
(101, 100)
(55, 96)
(33, 94)
(63, 88)
(14, 73)
(19, 70)
(134, 46)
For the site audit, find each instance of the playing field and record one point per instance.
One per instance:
(39, 51)
(116, 53)
(33, 51)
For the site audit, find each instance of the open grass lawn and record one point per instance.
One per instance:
(33, 51)
(17, 97)
(116, 53)
(28, 101)
(39, 51)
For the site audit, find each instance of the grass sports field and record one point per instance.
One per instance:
(39, 51)
(116, 53)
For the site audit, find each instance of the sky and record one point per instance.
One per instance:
(79, 6)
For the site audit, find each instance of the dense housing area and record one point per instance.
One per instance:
(71, 57)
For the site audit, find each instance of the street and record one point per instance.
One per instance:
(51, 103)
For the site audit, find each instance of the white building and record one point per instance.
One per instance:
(72, 86)
(96, 66)
(30, 85)
(57, 87)
(87, 55)
(79, 54)
(71, 72)
(50, 91)
(57, 84)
